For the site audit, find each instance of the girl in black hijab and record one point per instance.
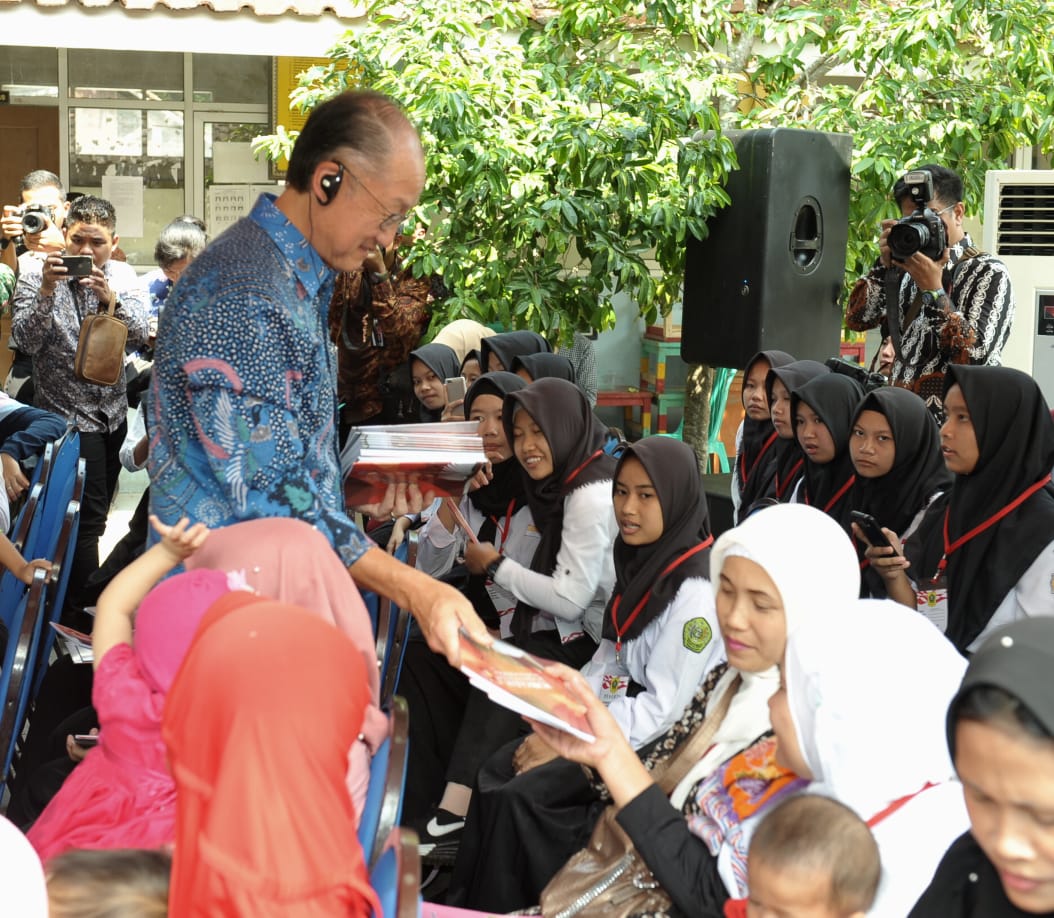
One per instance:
(896, 451)
(530, 367)
(659, 637)
(754, 473)
(780, 383)
(430, 367)
(823, 411)
(498, 514)
(989, 538)
(498, 351)
(562, 592)
(1001, 737)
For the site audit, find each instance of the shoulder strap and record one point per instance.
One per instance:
(669, 774)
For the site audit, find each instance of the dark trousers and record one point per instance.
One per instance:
(100, 452)
(487, 726)
(520, 830)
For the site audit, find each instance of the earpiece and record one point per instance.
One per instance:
(331, 185)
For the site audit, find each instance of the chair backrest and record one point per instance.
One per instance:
(27, 516)
(396, 877)
(393, 629)
(384, 795)
(62, 564)
(58, 491)
(15, 677)
(374, 602)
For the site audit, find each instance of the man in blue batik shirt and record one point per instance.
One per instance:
(242, 410)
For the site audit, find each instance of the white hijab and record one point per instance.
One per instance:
(869, 693)
(814, 566)
(21, 875)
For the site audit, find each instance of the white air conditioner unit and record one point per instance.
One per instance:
(1019, 230)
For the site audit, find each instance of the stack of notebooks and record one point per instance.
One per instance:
(438, 458)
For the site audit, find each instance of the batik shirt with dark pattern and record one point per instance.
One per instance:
(241, 414)
(973, 331)
(48, 327)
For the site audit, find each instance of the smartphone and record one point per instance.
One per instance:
(455, 388)
(78, 265)
(871, 529)
(86, 740)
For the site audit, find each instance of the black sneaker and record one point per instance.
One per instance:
(440, 837)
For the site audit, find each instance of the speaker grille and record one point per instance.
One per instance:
(1025, 220)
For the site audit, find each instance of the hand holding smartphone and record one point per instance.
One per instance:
(455, 388)
(869, 526)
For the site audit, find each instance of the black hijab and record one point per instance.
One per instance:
(1015, 441)
(674, 472)
(504, 491)
(755, 468)
(1018, 659)
(507, 482)
(790, 460)
(442, 361)
(918, 470)
(834, 398)
(508, 345)
(576, 441)
(545, 366)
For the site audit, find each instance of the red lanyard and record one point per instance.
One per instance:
(896, 805)
(949, 547)
(790, 477)
(574, 474)
(838, 496)
(503, 531)
(743, 473)
(639, 607)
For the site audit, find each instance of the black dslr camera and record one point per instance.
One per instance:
(923, 230)
(35, 218)
(869, 381)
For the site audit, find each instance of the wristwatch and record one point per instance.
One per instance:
(931, 297)
(492, 568)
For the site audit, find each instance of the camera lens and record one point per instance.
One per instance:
(905, 239)
(34, 222)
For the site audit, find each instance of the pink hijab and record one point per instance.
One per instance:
(166, 621)
(291, 561)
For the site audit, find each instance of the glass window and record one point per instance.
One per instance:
(131, 142)
(151, 76)
(29, 72)
(241, 78)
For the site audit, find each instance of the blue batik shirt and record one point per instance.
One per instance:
(242, 408)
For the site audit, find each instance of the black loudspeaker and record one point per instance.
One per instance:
(771, 270)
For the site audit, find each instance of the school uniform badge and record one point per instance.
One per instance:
(696, 634)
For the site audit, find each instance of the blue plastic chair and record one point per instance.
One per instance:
(62, 564)
(373, 601)
(22, 618)
(393, 631)
(384, 795)
(396, 877)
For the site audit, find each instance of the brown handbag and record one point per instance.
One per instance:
(609, 877)
(100, 347)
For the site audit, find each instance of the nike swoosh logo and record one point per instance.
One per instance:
(437, 831)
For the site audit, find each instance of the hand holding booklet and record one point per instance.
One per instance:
(518, 681)
(438, 458)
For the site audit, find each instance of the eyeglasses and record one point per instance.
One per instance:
(390, 220)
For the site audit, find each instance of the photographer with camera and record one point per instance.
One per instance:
(943, 300)
(29, 232)
(36, 224)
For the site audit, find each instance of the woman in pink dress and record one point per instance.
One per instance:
(121, 795)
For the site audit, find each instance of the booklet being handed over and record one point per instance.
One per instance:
(518, 681)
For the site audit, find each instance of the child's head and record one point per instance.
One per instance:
(166, 621)
(470, 367)
(117, 883)
(812, 857)
(430, 367)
